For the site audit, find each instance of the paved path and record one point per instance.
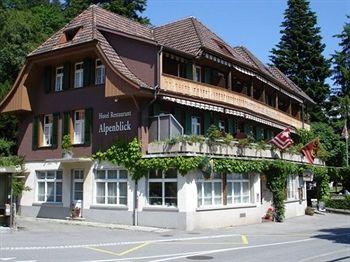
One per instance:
(317, 238)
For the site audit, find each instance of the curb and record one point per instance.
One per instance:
(94, 224)
(338, 211)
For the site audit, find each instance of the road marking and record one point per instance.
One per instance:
(325, 254)
(244, 239)
(133, 249)
(119, 254)
(103, 251)
(116, 243)
(183, 255)
(7, 258)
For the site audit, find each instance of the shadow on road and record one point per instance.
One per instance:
(336, 235)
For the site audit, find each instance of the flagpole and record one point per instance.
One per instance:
(347, 144)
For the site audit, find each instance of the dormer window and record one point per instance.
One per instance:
(59, 79)
(68, 35)
(100, 73)
(78, 75)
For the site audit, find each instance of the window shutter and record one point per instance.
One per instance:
(93, 69)
(178, 114)
(65, 123)
(55, 130)
(188, 123)
(259, 133)
(231, 126)
(35, 130)
(88, 126)
(189, 73)
(47, 79)
(87, 71)
(207, 73)
(206, 121)
(66, 76)
(216, 120)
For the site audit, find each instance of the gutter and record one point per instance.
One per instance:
(155, 95)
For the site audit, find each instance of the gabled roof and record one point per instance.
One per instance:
(188, 36)
(89, 25)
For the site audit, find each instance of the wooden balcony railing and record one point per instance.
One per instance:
(220, 95)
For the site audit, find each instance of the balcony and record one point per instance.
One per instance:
(204, 92)
(233, 150)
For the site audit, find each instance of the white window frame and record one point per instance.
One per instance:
(78, 75)
(80, 179)
(292, 187)
(47, 180)
(201, 194)
(100, 72)
(198, 78)
(241, 180)
(195, 125)
(59, 79)
(107, 180)
(47, 130)
(79, 128)
(163, 179)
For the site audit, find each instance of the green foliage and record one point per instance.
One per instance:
(66, 144)
(5, 147)
(132, 9)
(299, 54)
(213, 133)
(338, 203)
(11, 161)
(276, 174)
(18, 186)
(322, 180)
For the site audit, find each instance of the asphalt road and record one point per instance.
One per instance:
(317, 238)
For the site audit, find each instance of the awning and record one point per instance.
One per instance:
(71, 160)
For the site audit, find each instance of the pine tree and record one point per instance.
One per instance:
(341, 78)
(128, 8)
(299, 55)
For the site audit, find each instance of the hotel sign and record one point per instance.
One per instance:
(116, 122)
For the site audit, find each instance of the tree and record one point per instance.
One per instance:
(299, 54)
(128, 8)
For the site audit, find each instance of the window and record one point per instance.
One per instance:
(49, 186)
(78, 184)
(111, 187)
(222, 126)
(238, 189)
(100, 73)
(79, 126)
(198, 74)
(47, 134)
(162, 188)
(79, 75)
(59, 79)
(195, 125)
(209, 191)
(291, 187)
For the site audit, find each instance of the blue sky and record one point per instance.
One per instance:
(252, 23)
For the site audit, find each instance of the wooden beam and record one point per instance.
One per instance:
(229, 80)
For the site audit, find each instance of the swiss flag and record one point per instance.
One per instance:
(283, 139)
(310, 150)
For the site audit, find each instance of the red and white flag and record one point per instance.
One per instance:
(310, 150)
(345, 133)
(283, 139)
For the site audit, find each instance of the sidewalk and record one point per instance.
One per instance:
(94, 224)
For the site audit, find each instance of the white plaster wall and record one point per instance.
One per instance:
(295, 208)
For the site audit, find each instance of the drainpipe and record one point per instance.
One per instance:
(155, 95)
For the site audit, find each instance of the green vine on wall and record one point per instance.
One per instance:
(129, 155)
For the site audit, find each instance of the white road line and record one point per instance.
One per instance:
(7, 258)
(115, 243)
(325, 254)
(183, 255)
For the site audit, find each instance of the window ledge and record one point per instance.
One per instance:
(160, 208)
(210, 208)
(114, 207)
(47, 204)
(293, 201)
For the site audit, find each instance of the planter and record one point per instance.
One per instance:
(67, 154)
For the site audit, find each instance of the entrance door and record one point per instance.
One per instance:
(78, 185)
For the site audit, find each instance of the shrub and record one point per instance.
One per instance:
(339, 203)
(66, 144)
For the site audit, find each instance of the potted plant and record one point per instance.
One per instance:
(66, 147)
